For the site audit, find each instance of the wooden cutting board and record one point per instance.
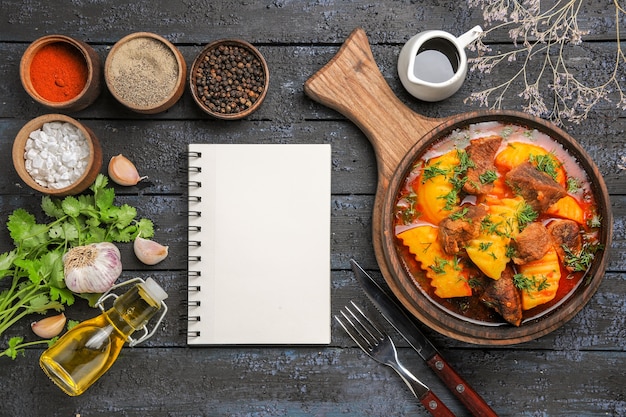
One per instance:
(352, 84)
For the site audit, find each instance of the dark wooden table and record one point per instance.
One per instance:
(578, 370)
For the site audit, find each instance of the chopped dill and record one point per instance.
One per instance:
(460, 214)
(475, 283)
(595, 221)
(525, 215)
(529, 284)
(582, 260)
(546, 163)
(456, 264)
(488, 177)
(484, 246)
(432, 172)
(506, 132)
(451, 199)
(574, 185)
(408, 213)
(510, 251)
(465, 161)
(488, 225)
(439, 266)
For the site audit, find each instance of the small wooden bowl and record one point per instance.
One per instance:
(93, 84)
(82, 183)
(145, 72)
(243, 101)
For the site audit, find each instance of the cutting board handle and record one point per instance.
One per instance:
(352, 84)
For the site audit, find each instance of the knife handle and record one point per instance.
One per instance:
(461, 389)
(435, 406)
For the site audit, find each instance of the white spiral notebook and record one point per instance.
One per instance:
(259, 244)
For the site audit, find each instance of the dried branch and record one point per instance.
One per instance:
(553, 91)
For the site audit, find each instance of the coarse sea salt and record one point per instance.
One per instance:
(56, 155)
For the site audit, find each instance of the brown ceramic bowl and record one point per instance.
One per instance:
(145, 72)
(444, 315)
(245, 86)
(83, 182)
(59, 93)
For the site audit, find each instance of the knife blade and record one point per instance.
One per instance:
(394, 314)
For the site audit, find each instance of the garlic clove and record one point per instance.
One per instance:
(92, 268)
(148, 251)
(49, 327)
(123, 171)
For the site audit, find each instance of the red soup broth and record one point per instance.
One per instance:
(471, 308)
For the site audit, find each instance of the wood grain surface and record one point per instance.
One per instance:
(577, 370)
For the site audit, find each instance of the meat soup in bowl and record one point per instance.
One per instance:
(497, 223)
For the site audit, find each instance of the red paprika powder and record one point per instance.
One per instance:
(58, 72)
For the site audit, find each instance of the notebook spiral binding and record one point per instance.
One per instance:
(193, 275)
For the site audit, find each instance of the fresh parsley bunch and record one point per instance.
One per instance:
(35, 266)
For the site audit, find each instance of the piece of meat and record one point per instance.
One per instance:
(565, 233)
(531, 244)
(504, 297)
(456, 230)
(539, 189)
(481, 152)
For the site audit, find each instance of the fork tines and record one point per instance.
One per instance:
(364, 331)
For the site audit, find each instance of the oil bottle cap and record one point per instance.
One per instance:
(155, 290)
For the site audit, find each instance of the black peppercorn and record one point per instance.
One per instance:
(231, 78)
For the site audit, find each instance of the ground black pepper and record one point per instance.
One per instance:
(143, 72)
(229, 79)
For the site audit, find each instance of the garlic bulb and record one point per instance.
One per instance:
(123, 172)
(148, 251)
(49, 327)
(92, 268)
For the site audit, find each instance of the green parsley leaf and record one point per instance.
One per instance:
(145, 228)
(125, 215)
(6, 260)
(51, 207)
(20, 224)
(104, 199)
(39, 302)
(71, 206)
(13, 349)
(63, 295)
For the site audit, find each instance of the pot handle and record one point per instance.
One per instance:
(352, 84)
(469, 36)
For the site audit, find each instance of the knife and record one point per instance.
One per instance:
(412, 334)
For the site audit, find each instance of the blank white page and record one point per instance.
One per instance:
(264, 252)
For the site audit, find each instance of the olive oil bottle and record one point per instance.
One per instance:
(88, 350)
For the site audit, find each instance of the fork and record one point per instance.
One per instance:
(379, 346)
